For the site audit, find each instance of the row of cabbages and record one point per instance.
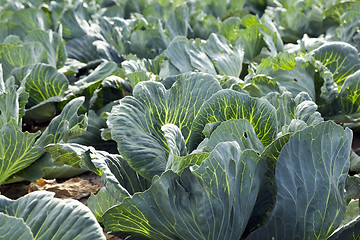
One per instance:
(205, 120)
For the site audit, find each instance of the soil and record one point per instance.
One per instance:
(356, 143)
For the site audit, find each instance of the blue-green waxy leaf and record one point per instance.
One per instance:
(340, 58)
(226, 61)
(101, 202)
(90, 83)
(252, 41)
(177, 21)
(136, 123)
(12, 101)
(31, 18)
(53, 44)
(116, 175)
(176, 52)
(119, 179)
(101, 72)
(194, 205)
(44, 82)
(294, 73)
(10, 28)
(349, 231)
(148, 43)
(198, 58)
(266, 199)
(72, 25)
(66, 125)
(214, 56)
(229, 104)
(51, 218)
(239, 130)
(178, 164)
(82, 49)
(260, 85)
(348, 99)
(294, 113)
(13, 228)
(174, 139)
(310, 179)
(284, 105)
(93, 134)
(21, 55)
(17, 150)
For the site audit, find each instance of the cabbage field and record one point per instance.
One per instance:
(201, 120)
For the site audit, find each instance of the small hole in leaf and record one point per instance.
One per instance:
(245, 135)
(295, 80)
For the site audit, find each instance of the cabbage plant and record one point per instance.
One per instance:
(204, 119)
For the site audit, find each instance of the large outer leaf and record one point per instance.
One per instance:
(10, 28)
(310, 178)
(44, 82)
(13, 228)
(176, 52)
(16, 149)
(198, 58)
(150, 42)
(228, 104)
(252, 40)
(136, 123)
(213, 201)
(226, 61)
(72, 25)
(266, 199)
(82, 48)
(52, 218)
(32, 18)
(116, 174)
(284, 105)
(53, 44)
(23, 55)
(340, 58)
